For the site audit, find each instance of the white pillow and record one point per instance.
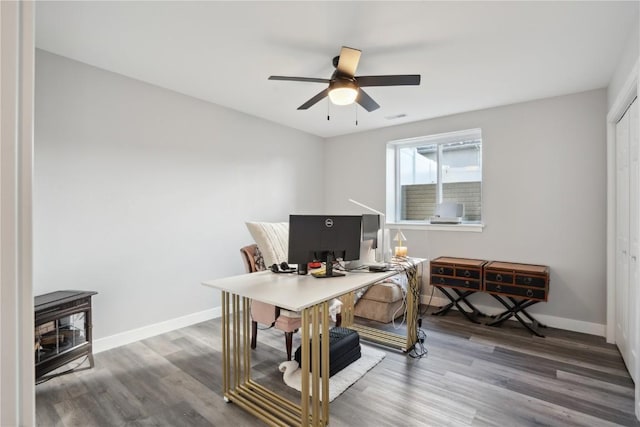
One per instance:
(272, 239)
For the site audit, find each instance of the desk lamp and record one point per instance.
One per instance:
(400, 250)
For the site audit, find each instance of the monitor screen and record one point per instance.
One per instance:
(324, 238)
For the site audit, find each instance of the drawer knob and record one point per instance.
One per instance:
(441, 270)
(527, 280)
(529, 293)
(467, 273)
(499, 277)
(466, 283)
(442, 280)
(498, 288)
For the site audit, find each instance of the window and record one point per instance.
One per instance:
(426, 171)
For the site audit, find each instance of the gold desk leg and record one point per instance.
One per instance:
(246, 319)
(325, 362)
(225, 345)
(236, 341)
(347, 311)
(236, 375)
(411, 322)
(413, 300)
(236, 353)
(304, 356)
(315, 367)
(315, 320)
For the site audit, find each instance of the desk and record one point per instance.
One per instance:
(292, 292)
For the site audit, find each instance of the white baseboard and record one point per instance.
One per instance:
(556, 322)
(127, 337)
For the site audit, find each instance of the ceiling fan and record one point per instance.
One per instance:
(345, 87)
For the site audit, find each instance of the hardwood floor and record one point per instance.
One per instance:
(473, 375)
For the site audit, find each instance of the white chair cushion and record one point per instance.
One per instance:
(272, 239)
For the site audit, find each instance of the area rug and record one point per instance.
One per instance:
(340, 381)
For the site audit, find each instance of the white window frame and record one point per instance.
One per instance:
(393, 201)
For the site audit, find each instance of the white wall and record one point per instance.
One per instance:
(141, 193)
(556, 218)
(628, 58)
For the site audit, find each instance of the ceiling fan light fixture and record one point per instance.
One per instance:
(345, 87)
(343, 92)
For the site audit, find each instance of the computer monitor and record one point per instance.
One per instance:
(324, 238)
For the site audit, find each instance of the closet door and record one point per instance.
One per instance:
(634, 236)
(622, 237)
(627, 235)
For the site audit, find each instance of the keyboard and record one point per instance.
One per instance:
(380, 267)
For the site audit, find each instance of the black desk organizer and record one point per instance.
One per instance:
(62, 330)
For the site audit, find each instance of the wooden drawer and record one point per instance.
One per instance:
(442, 270)
(498, 277)
(464, 273)
(451, 282)
(520, 280)
(516, 291)
(468, 273)
(535, 281)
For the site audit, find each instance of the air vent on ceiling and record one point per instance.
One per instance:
(397, 116)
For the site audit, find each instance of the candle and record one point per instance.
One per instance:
(401, 251)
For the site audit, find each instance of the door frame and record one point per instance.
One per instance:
(17, 389)
(629, 91)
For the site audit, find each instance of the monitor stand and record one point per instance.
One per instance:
(328, 270)
(367, 256)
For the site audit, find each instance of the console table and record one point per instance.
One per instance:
(291, 292)
(463, 277)
(62, 330)
(516, 286)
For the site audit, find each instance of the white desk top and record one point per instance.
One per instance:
(291, 291)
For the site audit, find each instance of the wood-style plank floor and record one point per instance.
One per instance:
(473, 375)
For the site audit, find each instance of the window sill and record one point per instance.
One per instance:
(407, 225)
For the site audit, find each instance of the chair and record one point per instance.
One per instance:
(264, 313)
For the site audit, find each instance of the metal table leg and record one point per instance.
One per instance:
(513, 310)
(240, 389)
(456, 300)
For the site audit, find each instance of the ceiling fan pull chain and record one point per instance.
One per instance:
(328, 107)
(356, 107)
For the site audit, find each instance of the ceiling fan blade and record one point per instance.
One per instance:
(299, 79)
(366, 101)
(348, 61)
(396, 80)
(314, 100)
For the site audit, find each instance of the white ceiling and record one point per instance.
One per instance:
(471, 55)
